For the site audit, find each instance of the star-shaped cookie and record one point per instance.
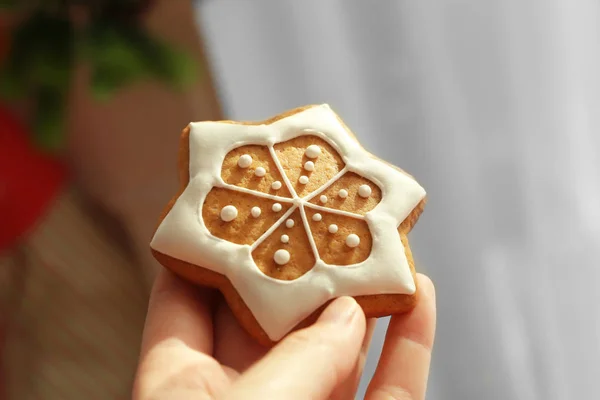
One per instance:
(284, 215)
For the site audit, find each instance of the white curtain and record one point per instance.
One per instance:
(493, 106)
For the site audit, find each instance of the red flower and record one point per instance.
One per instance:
(29, 180)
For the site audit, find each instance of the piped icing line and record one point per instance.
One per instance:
(308, 231)
(275, 303)
(286, 180)
(222, 184)
(326, 185)
(334, 211)
(272, 228)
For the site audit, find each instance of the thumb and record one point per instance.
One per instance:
(311, 362)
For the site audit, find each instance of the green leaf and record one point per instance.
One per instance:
(8, 4)
(114, 59)
(49, 120)
(121, 55)
(166, 62)
(174, 67)
(12, 86)
(41, 54)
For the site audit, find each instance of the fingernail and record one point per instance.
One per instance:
(340, 311)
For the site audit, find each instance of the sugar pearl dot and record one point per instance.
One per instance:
(255, 211)
(333, 228)
(352, 240)
(343, 193)
(276, 207)
(245, 161)
(303, 179)
(276, 185)
(309, 166)
(281, 257)
(229, 213)
(323, 199)
(285, 238)
(364, 191)
(313, 151)
(260, 171)
(289, 223)
(317, 217)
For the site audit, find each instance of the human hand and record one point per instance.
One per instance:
(194, 348)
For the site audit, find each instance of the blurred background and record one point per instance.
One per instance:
(491, 105)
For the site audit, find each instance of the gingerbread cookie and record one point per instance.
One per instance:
(285, 215)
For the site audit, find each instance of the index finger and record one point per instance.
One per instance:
(403, 368)
(178, 312)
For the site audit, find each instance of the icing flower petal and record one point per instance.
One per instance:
(291, 237)
(331, 233)
(232, 215)
(252, 167)
(294, 155)
(348, 193)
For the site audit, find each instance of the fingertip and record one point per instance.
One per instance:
(324, 354)
(342, 310)
(425, 285)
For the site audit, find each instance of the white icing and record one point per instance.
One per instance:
(245, 161)
(260, 172)
(323, 199)
(309, 166)
(229, 213)
(276, 185)
(281, 257)
(285, 239)
(340, 212)
(352, 240)
(343, 193)
(255, 211)
(364, 191)
(313, 151)
(317, 217)
(276, 207)
(333, 228)
(303, 179)
(289, 223)
(275, 303)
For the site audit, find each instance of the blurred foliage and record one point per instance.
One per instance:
(54, 35)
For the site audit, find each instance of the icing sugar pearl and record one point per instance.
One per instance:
(364, 191)
(309, 166)
(260, 171)
(317, 217)
(285, 238)
(352, 240)
(333, 228)
(255, 211)
(276, 207)
(281, 257)
(229, 213)
(313, 151)
(276, 185)
(323, 199)
(343, 193)
(289, 223)
(245, 161)
(303, 179)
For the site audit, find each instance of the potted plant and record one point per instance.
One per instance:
(49, 38)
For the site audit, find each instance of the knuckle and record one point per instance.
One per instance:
(390, 392)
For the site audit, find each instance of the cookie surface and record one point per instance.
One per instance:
(285, 215)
